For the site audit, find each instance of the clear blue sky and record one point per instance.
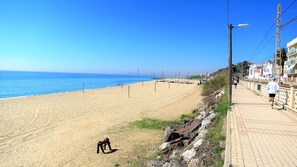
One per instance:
(120, 36)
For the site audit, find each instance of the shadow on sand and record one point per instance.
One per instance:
(110, 151)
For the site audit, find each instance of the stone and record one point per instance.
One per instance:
(188, 155)
(202, 133)
(211, 116)
(152, 164)
(203, 114)
(222, 144)
(199, 117)
(223, 155)
(167, 164)
(198, 143)
(173, 155)
(194, 163)
(164, 146)
(205, 122)
(158, 158)
(218, 96)
(166, 134)
(175, 163)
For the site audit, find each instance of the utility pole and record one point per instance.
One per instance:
(278, 42)
(230, 26)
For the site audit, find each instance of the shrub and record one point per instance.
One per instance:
(219, 81)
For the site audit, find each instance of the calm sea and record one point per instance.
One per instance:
(16, 84)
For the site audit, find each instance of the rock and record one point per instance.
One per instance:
(205, 122)
(218, 96)
(173, 155)
(194, 163)
(175, 163)
(211, 116)
(198, 143)
(164, 146)
(166, 134)
(222, 144)
(167, 164)
(203, 114)
(188, 155)
(202, 134)
(223, 154)
(199, 117)
(152, 164)
(158, 158)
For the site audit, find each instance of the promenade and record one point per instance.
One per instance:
(258, 135)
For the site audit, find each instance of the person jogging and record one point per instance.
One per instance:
(273, 88)
(235, 83)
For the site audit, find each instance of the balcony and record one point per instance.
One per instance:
(291, 70)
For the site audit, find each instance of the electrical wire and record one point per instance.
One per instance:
(256, 51)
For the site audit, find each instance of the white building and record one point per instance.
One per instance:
(260, 71)
(290, 64)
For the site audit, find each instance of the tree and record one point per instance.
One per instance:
(281, 58)
(242, 68)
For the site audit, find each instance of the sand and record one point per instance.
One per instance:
(63, 129)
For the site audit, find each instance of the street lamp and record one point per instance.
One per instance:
(230, 57)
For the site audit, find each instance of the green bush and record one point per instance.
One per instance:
(219, 81)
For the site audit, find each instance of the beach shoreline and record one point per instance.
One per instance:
(54, 129)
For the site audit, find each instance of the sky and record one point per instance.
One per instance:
(127, 36)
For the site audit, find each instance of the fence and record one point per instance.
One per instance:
(287, 95)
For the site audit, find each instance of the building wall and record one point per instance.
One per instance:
(292, 60)
(260, 71)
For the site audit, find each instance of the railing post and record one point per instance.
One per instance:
(292, 97)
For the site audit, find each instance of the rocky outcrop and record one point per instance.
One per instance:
(181, 143)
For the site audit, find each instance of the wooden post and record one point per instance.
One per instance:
(155, 86)
(129, 91)
(169, 85)
(142, 83)
(122, 85)
(292, 97)
(83, 87)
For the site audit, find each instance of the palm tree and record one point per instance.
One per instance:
(281, 58)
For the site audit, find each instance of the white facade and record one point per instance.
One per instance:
(290, 64)
(260, 71)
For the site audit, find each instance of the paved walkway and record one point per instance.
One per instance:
(260, 135)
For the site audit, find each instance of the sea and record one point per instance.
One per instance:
(20, 83)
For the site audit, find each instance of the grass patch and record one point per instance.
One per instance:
(216, 134)
(190, 115)
(148, 123)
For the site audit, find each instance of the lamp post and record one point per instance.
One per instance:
(230, 57)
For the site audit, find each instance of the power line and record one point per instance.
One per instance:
(256, 51)
(284, 25)
(288, 8)
(253, 54)
(267, 58)
(264, 45)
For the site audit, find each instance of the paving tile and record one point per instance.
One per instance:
(260, 135)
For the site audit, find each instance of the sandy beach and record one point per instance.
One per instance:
(63, 129)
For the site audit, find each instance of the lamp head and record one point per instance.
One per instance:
(242, 25)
